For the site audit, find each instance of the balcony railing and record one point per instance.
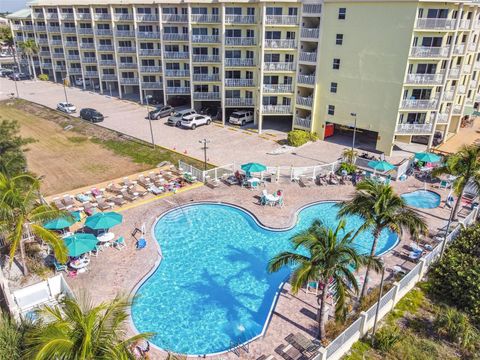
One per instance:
(240, 19)
(69, 30)
(148, 35)
(280, 44)
(276, 109)
(281, 20)
(305, 101)
(87, 45)
(239, 82)
(56, 42)
(308, 56)
(238, 102)
(177, 73)
(73, 57)
(459, 49)
(44, 53)
(454, 72)
(461, 89)
(182, 18)
(125, 33)
(448, 96)
(102, 16)
(151, 69)
(176, 55)
(52, 16)
(147, 17)
(58, 55)
(38, 15)
(205, 39)
(306, 79)
(239, 62)
(429, 52)
(473, 83)
(60, 67)
(206, 96)
(279, 66)
(465, 24)
(128, 65)
(47, 65)
(53, 29)
(126, 49)
(175, 37)
(467, 68)
(110, 48)
(278, 88)
(129, 81)
(124, 17)
(240, 41)
(430, 104)
(205, 18)
(74, 71)
(435, 23)
(27, 27)
(302, 122)
(107, 62)
(427, 79)
(85, 31)
(442, 118)
(206, 77)
(73, 44)
(40, 28)
(149, 52)
(44, 41)
(109, 77)
(206, 58)
(476, 65)
(91, 73)
(472, 47)
(414, 128)
(84, 16)
(104, 32)
(89, 60)
(66, 16)
(178, 90)
(310, 33)
(457, 109)
(152, 85)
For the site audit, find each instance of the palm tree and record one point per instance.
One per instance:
(82, 331)
(465, 166)
(22, 214)
(7, 38)
(330, 260)
(29, 48)
(349, 155)
(380, 208)
(11, 337)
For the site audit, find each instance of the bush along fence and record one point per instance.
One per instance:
(358, 329)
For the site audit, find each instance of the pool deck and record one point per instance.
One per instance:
(119, 271)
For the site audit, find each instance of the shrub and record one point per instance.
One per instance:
(386, 338)
(456, 327)
(43, 77)
(348, 167)
(299, 137)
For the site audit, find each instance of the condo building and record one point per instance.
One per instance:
(402, 70)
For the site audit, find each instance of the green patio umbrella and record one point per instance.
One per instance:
(79, 244)
(381, 166)
(103, 220)
(59, 223)
(427, 157)
(253, 167)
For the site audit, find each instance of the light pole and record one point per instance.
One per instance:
(204, 142)
(378, 303)
(16, 87)
(444, 243)
(354, 130)
(65, 89)
(150, 120)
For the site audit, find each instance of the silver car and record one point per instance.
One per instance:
(66, 107)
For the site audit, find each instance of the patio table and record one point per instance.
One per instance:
(105, 238)
(79, 263)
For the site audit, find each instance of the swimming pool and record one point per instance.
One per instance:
(423, 199)
(212, 288)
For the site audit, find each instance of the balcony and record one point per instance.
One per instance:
(472, 47)
(206, 77)
(302, 122)
(107, 62)
(425, 79)
(240, 41)
(277, 109)
(53, 29)
(123, 17)
(238, 102)
(129, 81)
(44, 53)
(104, 32)
(239, 82)
(47, 65)
(205, 18)
(69, 30)
(240, 19)
(89, 60)
(60, 67)
(128, 65)
(125, 33)
(310, 33)
(148, 35)
(126, 49)
(109, 77)
(235, 62)
(305, 101)
(175, 37)
(281, 20)
(19, 38)
(459, 49)
(310, 57)
(429, 52)
(306, 79)
(414, 128)
(73, 57)
(40, 28)
(278, 88)
(149, 52)
(462, 89)
(448, 95)
(44, 41)
(280, 44)
(182, 18)
(75, 71)
(176, 55)
(178, 90)
(454, 72)
(473, 83)
(467, 68)
(476, 65)
(66, 16)
(152, 85)
(84, 16)
(206, 96)
(279, 66)
(147, 17)
(427, 104)
(85, 31)
(56, 42)
(465, 24)
(52, 16)
(151, 69)
(457, 109)
(109, 48)
(177, 73)
(70, 44)
(38, 15)
(442, 118)
(206, 58)
(102, 16)
(58, 55)
(87, 45)
(27, 27)
(91, 73)
(435, 24)
(206, 39)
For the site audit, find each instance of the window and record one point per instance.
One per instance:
(342, 12)
(331, 110)
(336, 64)
(333, 87)
(339, 39)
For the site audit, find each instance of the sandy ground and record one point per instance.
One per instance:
(465, 136)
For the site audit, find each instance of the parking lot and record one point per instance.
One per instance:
(227, 144)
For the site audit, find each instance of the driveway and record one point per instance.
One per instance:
(227, 144)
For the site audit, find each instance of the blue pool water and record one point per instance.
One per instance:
(212, 287)
(423, 199)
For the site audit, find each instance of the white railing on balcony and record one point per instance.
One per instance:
(176, 55)
(465, 24)
(205, 39)
(308, 56)
(461, 89)
(239, 82)
(306, 79)
(280, 44)
(448, 95)
(177, 73)
(58, 55)
(109, 77)
(56, 42)
(150, 69)
(302, 122)
(429, 52)
(238, 102)
(40, 28)
(38, 15)
(433, 79)
(84, 31)
(278, 88)
(149, 52)
(125, 33)
(129, 81)
(476, 65)
(60, 67)
(206, 77)
(477, 97)
(175, 18)
(276, 109)
(279, 66)
(457, 109)
(459, 49)
(442, 118)
(52, 16)
(175, 37)
(178, 90)
(429, 104)
(152, 85)
(205, 18)
(123, 16)
(414, 128)
(69, 30)
(56, 29)
(44, 41)
(148, 34)
(27, 27)
(310, 33)
(47, 65)
(74, 71)
(305, 101)
(126, 49)
(68, 43)
(147, 17)
(472, 46)
(281, 20)
(91, 73)
(104, 32)
(312, 9)
(239, 62)
(454, 72)
(89, 60)
(66, 16)
(73, 57)
(435, 23)
(206, 58)
(473, 83)
(206, 95)
(467, 68)
(87, 45)
(110, 48)
(44, 53)
(240, 41)
(84, 16)
(240, 19)
(102, 16)
(107, 62)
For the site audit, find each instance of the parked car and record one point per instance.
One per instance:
(16, 76)
(240, 117)
(79, 82)
(91, 115)
(194, 120)
(160, 112)
(423, 139)
(176, 118)
(6, 72)
(66, 107)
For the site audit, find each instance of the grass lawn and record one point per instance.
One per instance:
(83, 155)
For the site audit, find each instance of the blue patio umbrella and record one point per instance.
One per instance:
(428, 157)
(103, 220)
(381, 166)
(79, 244)
(60, 223)
(253, 167)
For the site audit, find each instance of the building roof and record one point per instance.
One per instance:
(20, 14)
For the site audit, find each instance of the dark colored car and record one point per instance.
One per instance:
(160, 112)
(91, 115)
(6, 72)
(19, 76)
(423, 139)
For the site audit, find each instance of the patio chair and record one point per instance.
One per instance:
(312, 287)
(120, 243)
(104, 205)
(59, 267)
(68, 201)
(265, 357)
(89, 208)
(305, 181)
(144, 182)
(118, 200)
(82, 197)
(288, 352)
(113, 188)
(137, 191)
(302, 343)
(96, 192)
(58, 204)
(128, 196)
(127, 182)
(96, 250)
(156, 190)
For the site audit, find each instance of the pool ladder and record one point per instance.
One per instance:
(236, 346)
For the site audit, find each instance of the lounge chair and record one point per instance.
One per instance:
(89, 208)
(137, 191)
(82, 198)
(128, 196)
(265, 357)
(302, 343)
(398, 270)
(189, 177)
(59, 267)
(96, 250)
(96, 192)
(305, 181)
(156, 190)
(144, 182)
(104, 205)
(68, 201)
(118, 200)
(113, 188)
(127, 182)
(120, 243)
(58, 204)
(288, 352)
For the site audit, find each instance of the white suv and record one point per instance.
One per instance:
(241, 117)
(192, 121)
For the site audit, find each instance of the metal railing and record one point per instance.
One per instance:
(302, 122)
(175, 37)
(91, 73)
(178, 90)
(54, 29)
(73, 57)
(152, 85)
(239, 82)
(107, 62)
(427, 104)
(238, 102)
(89, 60)
(108, 48)
(147, 17)
(84, 31)
(125, 33)
(176, 55)
(306, 79)
(207, 39)
(124, 17)
(312, 9)
(206, 77)
(305, 101)
(69, 30)
(279, 66)
(87, 45)
(205, 18)
(126, 49)
(177, 73)
(149, 52)
(128, 65)
(448, 95)
(102, 16)
(442, 118)
(84, 16)
(465, 24)
(148, 34)
(74, 71)
(109, 77)
(281, 20)
(73, 44)
(459, 49)
(429, 52)
(308, 56)
(206, 58)
(206, 95)
(278, 88)
(454, 72)
(310, 33)
(129, 81)
(104, 32)
(183, 18)
(239, 62)
(277, 109)
(280, 43)
(240, 41)
(428, 79)
(240, 19)
(414, 128)
(150, 69)
(435, 23)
